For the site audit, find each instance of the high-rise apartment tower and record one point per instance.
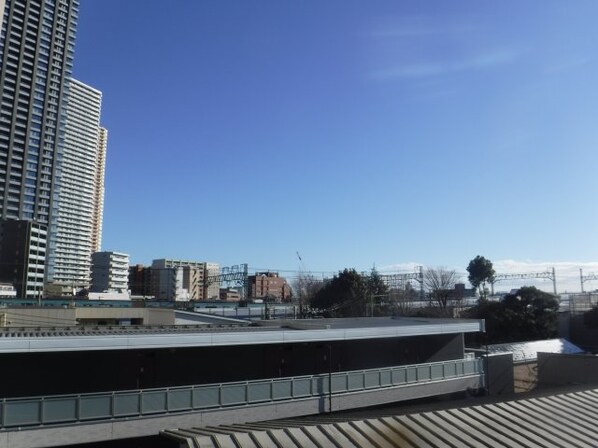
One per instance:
(81, 189)
(36, 56)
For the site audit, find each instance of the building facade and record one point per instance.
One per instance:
(264, 285)
(98, 198)
(22, 256)
(230, 295)
(212, 289)
(36, 57)
(109, 272)
(140, 280)
(183, 280)
(80, 193)
(37, 41)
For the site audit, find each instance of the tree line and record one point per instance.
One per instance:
(526, 315)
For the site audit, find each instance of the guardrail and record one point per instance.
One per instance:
(67, 409)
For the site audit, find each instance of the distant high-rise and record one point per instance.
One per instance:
(36, 57)
(98, 207)
(81, 189)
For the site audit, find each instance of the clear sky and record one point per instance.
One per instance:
(353, 132)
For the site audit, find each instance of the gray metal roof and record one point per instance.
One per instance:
(127, 338)
(563, 421)
(360, 322)
(528, 351)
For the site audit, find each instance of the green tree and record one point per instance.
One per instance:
(528, 315)
(377, 295)
(480, 272)
(343, 296)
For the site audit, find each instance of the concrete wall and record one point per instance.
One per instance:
(146, 316)
(38, 317)
(556, 369)
(499, 374)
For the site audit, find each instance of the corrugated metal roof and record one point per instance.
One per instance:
(559, 421)
(528, 351)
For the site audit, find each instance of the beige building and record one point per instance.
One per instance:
(98, 198)
(230, 295)
(212, 290)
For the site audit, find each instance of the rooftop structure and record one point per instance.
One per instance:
(194, 376)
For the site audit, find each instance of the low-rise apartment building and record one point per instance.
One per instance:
(23, 256)
(109, 272)
(263, 285)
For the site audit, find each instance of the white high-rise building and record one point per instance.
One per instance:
(81, 189)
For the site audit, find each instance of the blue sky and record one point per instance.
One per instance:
(354, 132)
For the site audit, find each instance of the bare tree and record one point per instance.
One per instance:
(305, 288)
(440, 284)
(402, 299)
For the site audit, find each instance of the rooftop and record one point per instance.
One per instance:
(39, 339)
(561, 420)
(528, 351)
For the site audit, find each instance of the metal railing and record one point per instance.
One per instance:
(78, 408)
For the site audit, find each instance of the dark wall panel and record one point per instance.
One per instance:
(36, 374)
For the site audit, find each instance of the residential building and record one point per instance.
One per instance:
(109, 272)
(183, 280)
(263, 285)
(140, 280)
(7, 291)
(98, 206)
(212, 289)
(230, 295)
(22, 256)
(77, 217)
(36, 57)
